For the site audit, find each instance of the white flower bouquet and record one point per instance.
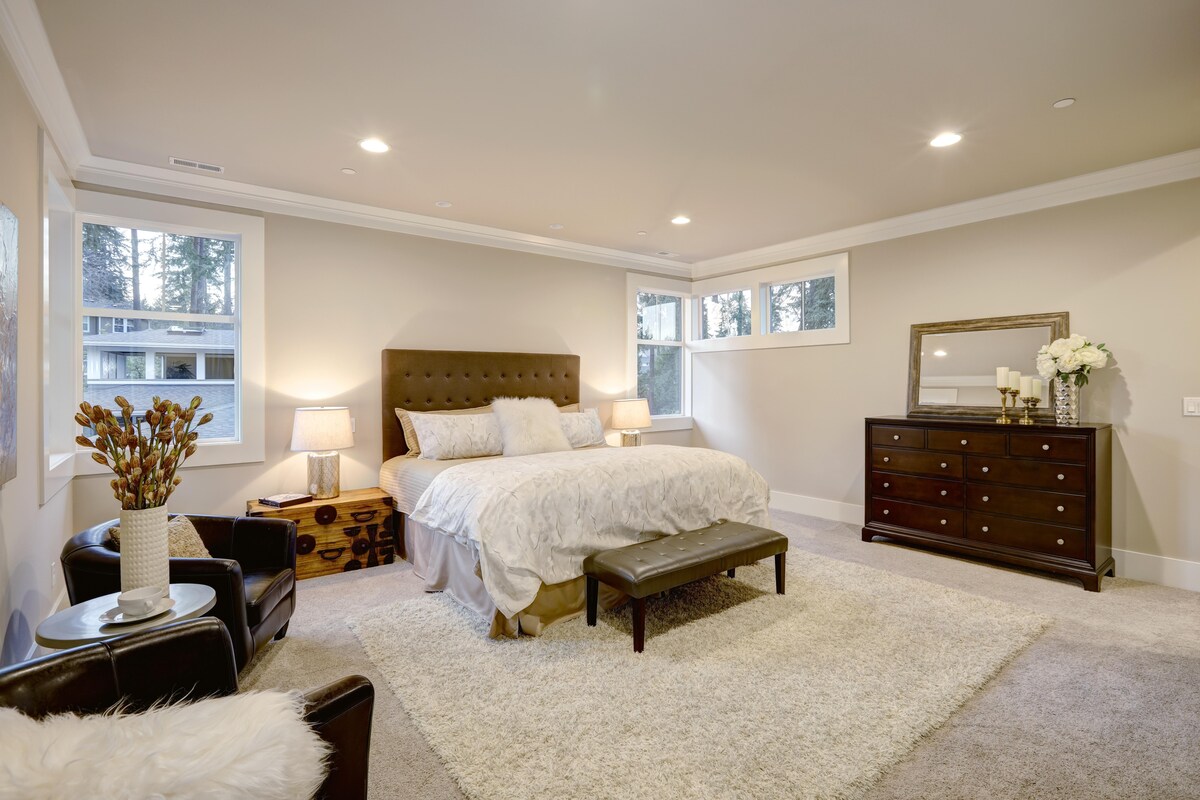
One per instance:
(1071, 359)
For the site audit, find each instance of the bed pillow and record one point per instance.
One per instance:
(202, 749)
(529, 425)
(183, 540)
(410, 433)
(583, 429)
(456, 436)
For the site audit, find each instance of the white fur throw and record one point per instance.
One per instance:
(249, 745)
(529, 425)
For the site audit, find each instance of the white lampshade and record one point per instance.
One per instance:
(322, 428)
(630, 415)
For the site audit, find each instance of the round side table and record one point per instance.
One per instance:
(81, 624)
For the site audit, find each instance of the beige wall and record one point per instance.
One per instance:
(31, 535)
(1127, 268)
(337, 295)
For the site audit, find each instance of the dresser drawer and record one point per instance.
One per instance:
(968, 442)
(1025, 535)
(924, 518)
(895, 436)
(1049, 446)
(1061, 509)
(1023, 472)
(923, 490)
(942, 465)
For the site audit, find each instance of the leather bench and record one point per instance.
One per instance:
(641, 570)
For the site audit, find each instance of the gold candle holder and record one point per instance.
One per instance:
(1030, 402)
(1004, 394)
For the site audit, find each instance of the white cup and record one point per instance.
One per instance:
(137, 602)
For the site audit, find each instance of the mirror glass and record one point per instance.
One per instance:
(953, 364)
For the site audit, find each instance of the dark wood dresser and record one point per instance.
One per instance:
(1035, 496)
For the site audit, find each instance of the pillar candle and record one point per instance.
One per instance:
(1037, 389)
(1026, 387)
(1014, 379)
(1001, 377)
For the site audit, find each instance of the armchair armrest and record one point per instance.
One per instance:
(341, 714)
(264, 543)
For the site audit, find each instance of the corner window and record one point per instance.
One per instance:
(725, 315)
(660, 352)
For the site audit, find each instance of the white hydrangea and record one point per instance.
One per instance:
(1071, 356)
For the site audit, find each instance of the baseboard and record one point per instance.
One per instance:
(817, 507)
(1173, 572)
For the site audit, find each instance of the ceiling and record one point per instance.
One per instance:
(762, 121)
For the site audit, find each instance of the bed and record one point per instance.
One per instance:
(506, 537)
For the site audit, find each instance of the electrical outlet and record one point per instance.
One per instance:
(54, 573)
(352, 424)
(1191, 406)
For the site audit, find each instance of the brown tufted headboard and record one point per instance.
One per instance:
(442, 380)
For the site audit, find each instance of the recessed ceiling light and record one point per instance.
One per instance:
(374, 145)
(348, 171)
(940, 353)
(681, 220)
(945, 139)
(665, 254)
(1064, 103)
(443, 204)
(556, 226)
(641, 233)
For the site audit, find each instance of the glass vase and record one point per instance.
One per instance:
(1066, 402)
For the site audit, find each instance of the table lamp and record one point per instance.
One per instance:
(322, 431)
(628, 416)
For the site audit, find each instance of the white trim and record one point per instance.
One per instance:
(158, 180)
(1163, 570)
(1127, 178)
(674, 422)
(851, 513)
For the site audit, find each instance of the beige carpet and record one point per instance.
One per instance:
(812, 695)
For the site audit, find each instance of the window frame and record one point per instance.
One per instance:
(248, 446)
(697, 333)
(656, 284)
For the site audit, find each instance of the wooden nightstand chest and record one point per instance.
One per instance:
(356, 529)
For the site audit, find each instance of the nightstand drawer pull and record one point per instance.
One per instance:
(325, 515)
(985, 528)
(886, 512)
(331, 553)
(963, 442)
(1047, 447)
(985, 469)
(886, 459)
(986, 498)
(943, 522)
(943, 492)
(1061, 509)
(887, 485)
(1060, 541)
(1062, 477)
(364, 516)
(896, 437)
(944, 465)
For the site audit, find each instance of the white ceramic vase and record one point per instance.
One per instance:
(144, 549)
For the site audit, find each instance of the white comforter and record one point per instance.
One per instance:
(533, 519)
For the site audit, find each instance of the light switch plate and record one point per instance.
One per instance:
(1191, 406)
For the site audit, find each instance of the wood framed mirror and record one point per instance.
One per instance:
(952, 365)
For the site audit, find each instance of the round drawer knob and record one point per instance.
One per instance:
(886, 485)
(985, 469)
(943, 492)
(943, 465)
(963, 442)
(985, 498)
(886, 512)
(1060, 541)
(1062, 477)
(886, 459)
(985, 528)
(895, 437)
(325, 515)
(943, 522)
(1060, 508)
(1045, 447)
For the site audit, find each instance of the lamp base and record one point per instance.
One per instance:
(631, 438)
(324, 475)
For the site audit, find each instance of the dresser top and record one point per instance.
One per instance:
(985, 422)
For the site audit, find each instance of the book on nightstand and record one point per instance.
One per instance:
(285, 500)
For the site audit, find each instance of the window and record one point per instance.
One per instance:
(724, 315)
(172, 307)
(660, 352)
(801, 305)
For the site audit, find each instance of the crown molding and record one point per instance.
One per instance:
(26, 43)
(1130, 177)
(132, 177)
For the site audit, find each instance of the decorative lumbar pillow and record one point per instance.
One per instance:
(465, 436)
(183, 541)
(583, 429)
(249, 745)
(529, 425)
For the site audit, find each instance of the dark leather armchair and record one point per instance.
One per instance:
(191, 659)
(253, 571)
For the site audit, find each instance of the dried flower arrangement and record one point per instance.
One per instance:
(144, 461)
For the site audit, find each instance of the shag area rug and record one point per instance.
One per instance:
(740, 693)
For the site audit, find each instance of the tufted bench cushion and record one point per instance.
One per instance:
(640, 570)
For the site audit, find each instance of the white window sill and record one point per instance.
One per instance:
(672, 423)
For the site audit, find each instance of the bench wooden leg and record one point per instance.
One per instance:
(639, 624)
(780, 564)
(730, 573)
(593, 596)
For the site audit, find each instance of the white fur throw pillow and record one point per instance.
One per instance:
(456, 436)
(249, 745)
(529, 425)
(583, 429)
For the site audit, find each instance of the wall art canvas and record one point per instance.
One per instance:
(8, 345)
